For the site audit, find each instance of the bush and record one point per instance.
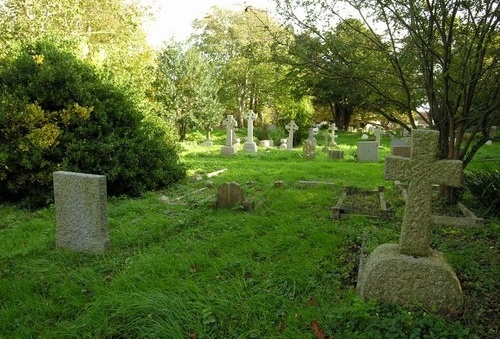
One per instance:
(56, 113)
(484, 185)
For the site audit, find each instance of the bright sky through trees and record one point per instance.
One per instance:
(173, 18)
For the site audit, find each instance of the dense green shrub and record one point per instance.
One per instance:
(57, 113)
(484, 185)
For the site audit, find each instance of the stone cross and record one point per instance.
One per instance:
(250, 116)
(230, 124)
(421, 171)
(291, 127)
(333, 128)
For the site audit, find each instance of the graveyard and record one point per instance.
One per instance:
(184, 262)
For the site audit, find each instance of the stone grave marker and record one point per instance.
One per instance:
(81, 212)
(311, 137)
(283, 143)
(230, 123)
(411, 273)
(291, 127)
(229, 195)
(378, 134)
(333, 128)
(367, 151)
(309, 150)
(325, 145)
(250, 145)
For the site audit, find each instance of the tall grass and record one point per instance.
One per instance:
(184, 269)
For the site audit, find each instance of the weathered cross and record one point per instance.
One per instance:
(422, 171)
(250, 116)
(230, 124)
(291, 127)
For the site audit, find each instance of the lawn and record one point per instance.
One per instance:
(178, 268)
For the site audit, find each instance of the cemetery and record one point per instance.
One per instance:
(180, 250)
(308, 169)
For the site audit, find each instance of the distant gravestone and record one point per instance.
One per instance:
(229, 195)
(335, 154)
(309, 150)
(230, 123)
(411, 273)
(81, 212)
(333, 128)
(283, 143)
(250, 145)
(208, 142)
(325, 145)
(378, 134)
(291, 127)
(365, 137)
(311, 137)
(367, 151)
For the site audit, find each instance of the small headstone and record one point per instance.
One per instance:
(291, 127)
(229, 195)
(311, 138)
(207, 143)
(266, 143)
(283, 143)
(367, 151)
(489, 143)
(81, 212)
(364, 137)
(230, 123)
(333, 128)
(335, 154)
(411, 273)
(309, 150)
(250, 145)
(350, 129)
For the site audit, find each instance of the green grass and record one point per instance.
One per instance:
(175, 270)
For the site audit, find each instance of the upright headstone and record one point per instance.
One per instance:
(283, 143)
(333, 128)
(230, 123)
(229, 195)
(291, 127)
(325, 145)
(311, 138)
(367, 151)
(378, 134)
(81, 212)
(250, 145)
(411, 273)
(309, 150)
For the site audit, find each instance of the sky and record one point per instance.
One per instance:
(174, 17)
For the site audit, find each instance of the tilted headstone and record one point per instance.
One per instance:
(411, 273)
(230, 123)
(229, 195)
(250, 145)
(81, 212)
(291, 127)
(367, 151)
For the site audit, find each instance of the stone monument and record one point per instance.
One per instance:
(229, 195)
(367, 151)
(291, 127)
(309, 150)
(411, 273)
(250, 145)
(311, 138)
(81, 212)
(333, 128)
(325, 146)
(377, 132)
(230, 123)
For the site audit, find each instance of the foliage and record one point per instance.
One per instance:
(186, 86)
(485, 186)
(57, 114)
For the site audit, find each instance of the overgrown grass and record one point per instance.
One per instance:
(283, 270)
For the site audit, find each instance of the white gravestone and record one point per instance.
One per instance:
(250, 145)
(411, 273)
(291, 127)
(283, 143)
(230, 123)
(81, 212)
(378, 133)
(367, 151)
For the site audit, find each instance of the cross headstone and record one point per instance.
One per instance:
(81, 212)
(411, 273)
(249, 144)
(230, 123)
(421, 171)
(291, 127)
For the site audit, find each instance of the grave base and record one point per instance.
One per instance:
(250, 147)
(228, 150)
(428, 282)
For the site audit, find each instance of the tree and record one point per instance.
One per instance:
(240, 45)
(447, 50)
(186, 86)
